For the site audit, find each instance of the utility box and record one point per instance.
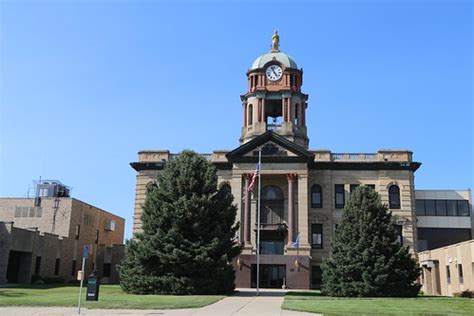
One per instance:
(93, 284)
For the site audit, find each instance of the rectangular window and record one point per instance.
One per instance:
(106, 270)
(56, 266)
(317, 236)
(316, 198)
(452, 208)
(73, 268)
(448, 275)
(96, 236)
(78, 231)
(398, 231)
(372, 186)
(38, 264)
(110, 225)
(430, 207)
(339, 195)
(461, 274)
(441, 208)
(17, 211)
(463, 208)
(420, 207)
(272, 247)
(39, 211)
(32, 212)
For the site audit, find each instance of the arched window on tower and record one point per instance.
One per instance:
(297, 114)
(250, 115)
(394, 196)
(316, 196)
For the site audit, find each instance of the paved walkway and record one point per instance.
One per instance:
(244, 303)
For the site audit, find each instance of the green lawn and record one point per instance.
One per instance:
(312, 301)
(110, 296)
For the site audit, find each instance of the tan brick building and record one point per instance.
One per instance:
(45, 236)
(303, 190)
(449, 269)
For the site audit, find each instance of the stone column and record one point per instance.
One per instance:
(236, 188)
(288, 115)
(283, 108)
(244, 114)
(263, 110)
(291, 210)
(246, 210)
(303, 209)
(259, 110)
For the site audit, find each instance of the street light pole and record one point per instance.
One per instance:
(258, 218)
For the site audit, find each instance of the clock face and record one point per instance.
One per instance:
(274, 72)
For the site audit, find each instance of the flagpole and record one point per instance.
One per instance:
(258, 219)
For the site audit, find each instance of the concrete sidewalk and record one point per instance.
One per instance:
(243, 303)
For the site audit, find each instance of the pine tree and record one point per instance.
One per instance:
(366, 258)
(186, 246)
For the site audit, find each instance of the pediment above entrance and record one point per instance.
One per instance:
(273, 148)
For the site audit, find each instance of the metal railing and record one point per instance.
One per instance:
(207, 156)
(273, 127)
(353, 156)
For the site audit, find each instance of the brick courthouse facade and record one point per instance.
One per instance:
(303, 190)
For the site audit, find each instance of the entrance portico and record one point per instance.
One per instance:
(283, 212)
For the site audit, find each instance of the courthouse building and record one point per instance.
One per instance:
(303, 190)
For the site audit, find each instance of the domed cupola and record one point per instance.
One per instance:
(274, 100)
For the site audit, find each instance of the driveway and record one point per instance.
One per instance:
(243, 303)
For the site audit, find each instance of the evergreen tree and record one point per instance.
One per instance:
(366, 258)
(186, 246)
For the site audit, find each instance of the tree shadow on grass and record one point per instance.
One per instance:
(262, 293)
(35, 286)
(305, 293)
(11, 293)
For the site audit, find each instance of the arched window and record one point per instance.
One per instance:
(250, 115)
(297, 115)
(316, 196)
(272, 205)
(226, 189)
(394, 196)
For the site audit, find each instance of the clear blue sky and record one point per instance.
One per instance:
(85, 85)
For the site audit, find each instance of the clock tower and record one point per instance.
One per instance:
(274, 100)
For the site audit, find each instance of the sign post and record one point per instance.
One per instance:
(85, 254)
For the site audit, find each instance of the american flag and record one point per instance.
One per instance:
(254, 178)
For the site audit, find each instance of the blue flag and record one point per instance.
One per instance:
(296, 244)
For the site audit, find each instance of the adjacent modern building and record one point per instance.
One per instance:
(44, 236)
(444, 217)
(448, 270)
(303, 190)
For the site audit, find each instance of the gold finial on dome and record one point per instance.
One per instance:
(275, 42)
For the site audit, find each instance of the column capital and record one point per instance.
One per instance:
(291, 176)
